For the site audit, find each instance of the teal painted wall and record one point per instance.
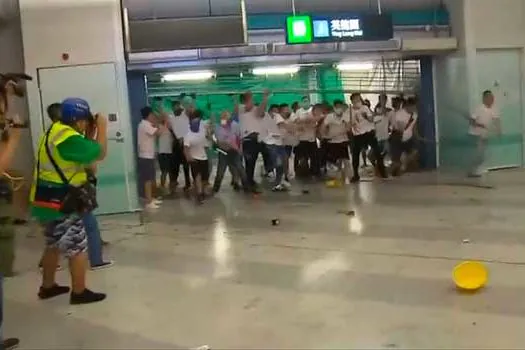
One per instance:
(217, 93)
(452, 101)
(505, 82)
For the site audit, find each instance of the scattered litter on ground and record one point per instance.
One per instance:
(346, 212)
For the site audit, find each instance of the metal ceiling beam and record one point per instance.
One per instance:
(145, 9)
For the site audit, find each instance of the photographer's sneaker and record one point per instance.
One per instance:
(51, 292)
(86, 297)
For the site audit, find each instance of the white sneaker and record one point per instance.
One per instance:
(286, 184)
(152, 206)
(279, 188)
(157, 201)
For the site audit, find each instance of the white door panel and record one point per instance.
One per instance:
(97, 84)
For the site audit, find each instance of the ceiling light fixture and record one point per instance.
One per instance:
(355, 66)
(189, 75)
(277, 70)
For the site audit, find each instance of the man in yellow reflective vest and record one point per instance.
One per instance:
(65, 147)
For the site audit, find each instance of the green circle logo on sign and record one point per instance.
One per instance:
(299, 30)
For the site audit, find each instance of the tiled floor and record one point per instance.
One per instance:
(222, 275)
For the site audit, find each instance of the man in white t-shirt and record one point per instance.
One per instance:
(290, 140)
(252, 125)
(195, 144)
(484, 120)
(363, 130)
(335, 129)
(382, 118)
(307, 151)
(179, 125)
(404, 135)
(268, 169)
(147, 134)
(165, 155)
(274, 143)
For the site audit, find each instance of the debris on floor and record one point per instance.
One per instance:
(346, 212)
(466, 241)
(276, 222)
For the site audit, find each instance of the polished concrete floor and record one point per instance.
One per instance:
(222, 275)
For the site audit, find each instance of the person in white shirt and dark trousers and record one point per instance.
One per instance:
(165, 156)
(335, 130)
(306, 119)
(290, 140)
(382, 120)
(404, 136)
(251, 119)
(274, 144)
(147, 133)
(195, 144)
(485, 118)
(363, 130)
(179, 125)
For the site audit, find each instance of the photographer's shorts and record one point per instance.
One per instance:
(67, 234)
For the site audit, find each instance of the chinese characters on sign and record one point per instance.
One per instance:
(345, 28)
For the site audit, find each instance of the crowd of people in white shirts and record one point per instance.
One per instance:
(320, 138)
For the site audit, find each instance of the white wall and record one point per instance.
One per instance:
(456, 9)
(497, 23)
(12, 60)
(90, 31)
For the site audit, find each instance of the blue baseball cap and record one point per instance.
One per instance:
(74, 109)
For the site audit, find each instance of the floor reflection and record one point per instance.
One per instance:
(222, 254)
(313, 272)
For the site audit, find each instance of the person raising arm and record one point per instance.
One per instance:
(251, 119)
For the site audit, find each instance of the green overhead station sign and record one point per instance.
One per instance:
(307, 29)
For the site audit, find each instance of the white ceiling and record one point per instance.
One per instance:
(198, 8)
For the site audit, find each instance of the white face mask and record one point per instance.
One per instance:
(338, 111)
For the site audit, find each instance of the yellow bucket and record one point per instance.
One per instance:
(470, 275)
